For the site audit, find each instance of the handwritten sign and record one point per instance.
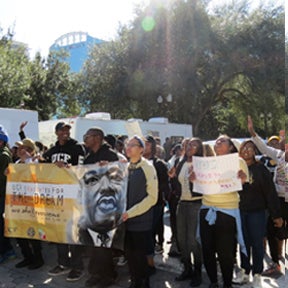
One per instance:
(216, 175)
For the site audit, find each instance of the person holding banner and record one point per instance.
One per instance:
(6, 249)
(66, 152)
(256, 196)
(220, 221)
(187, 215)
(100, 267)
(30, 248)
(142, 195)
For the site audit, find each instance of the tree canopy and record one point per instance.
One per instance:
(183, 60)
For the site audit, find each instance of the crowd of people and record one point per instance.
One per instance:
(206, 229)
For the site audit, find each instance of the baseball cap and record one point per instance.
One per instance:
(61, 125)
(27, 142)
(274, 137)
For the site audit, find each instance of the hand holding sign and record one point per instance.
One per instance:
(214, 175)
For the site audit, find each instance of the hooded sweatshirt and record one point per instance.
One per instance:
(70, 153)
(278, 156)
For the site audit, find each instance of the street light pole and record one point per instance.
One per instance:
(165, 100)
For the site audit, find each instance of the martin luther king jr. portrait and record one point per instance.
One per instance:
(103, 198)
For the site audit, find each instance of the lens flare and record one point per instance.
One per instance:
(148, 23)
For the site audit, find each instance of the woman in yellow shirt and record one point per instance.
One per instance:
(220, 223)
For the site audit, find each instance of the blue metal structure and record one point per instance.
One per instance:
(77, 44)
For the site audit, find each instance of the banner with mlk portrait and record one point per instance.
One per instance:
(76, 205)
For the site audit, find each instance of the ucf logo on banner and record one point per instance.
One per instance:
(77, 205)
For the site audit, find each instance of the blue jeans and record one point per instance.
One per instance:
(253, 226)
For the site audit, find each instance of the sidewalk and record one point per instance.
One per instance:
(167, 269)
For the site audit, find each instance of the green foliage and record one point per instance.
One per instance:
(37, 84)
(14, 73)
(218, 67)
(50, 84)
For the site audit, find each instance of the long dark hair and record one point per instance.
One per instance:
(246, 142)
(232, 145)
(200, 149)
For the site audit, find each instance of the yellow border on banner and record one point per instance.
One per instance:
(41, 173)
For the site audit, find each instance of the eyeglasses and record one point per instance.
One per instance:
(132, 145)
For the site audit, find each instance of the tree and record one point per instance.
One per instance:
(14, 76)
(256, 50)
(49, 85)
(211, 62)
(104, 79)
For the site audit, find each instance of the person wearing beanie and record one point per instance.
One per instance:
(142, 195)
(6, 249)
(3, 135)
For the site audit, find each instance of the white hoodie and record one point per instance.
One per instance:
(278, 156)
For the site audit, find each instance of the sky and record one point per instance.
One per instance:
(38, 23)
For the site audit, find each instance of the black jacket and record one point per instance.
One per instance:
(105, 153)
(70, 153)
(5, 159)
(260, 192)
(163, 180)
(178, 184)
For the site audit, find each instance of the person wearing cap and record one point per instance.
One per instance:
(278, 155)
(6, 249)
(65, 152)
(158, 209)
(274, 141)
(142, 194)
(271, 164)
(26, 151)
(30, 248)
(100, 267)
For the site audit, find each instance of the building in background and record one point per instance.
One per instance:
(78, 45)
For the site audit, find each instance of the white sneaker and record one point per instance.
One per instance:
(241, 278)
(257, 281)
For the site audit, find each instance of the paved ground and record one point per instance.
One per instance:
(167, 270)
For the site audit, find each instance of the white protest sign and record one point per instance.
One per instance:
(216, 175)
(133, 128)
